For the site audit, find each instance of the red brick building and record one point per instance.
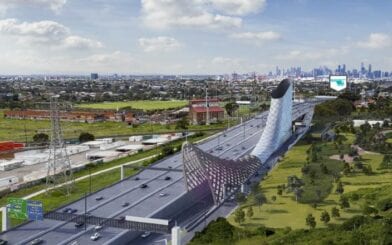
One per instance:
(10, 146)
(73, 116)
(198, 111)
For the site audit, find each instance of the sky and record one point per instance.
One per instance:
(191, 36)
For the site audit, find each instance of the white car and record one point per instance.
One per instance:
(146, 234)
(96, 236)
(98, 227)
(163, 194)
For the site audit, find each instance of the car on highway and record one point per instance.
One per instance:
(146, 234)
(79, 224)
(125, 204)
(143, 186)
(163, 194)
(121, 218)
(99, 198)
(66, 210)
(97, 227)
(36, 241)
(219, 148)
(3, 242)
(95, 236)
(137, 178)
(72, 210)
(167, 178)
(74, 243)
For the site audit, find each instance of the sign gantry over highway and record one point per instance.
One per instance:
(17, 208)
(35, 210)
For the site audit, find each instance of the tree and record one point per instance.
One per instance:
(339, 188)
(367, 170)
(239, 216)
(259, 199)
(255, 188)
(41, 139)
(335, 212)
(310, 221)
(167, 150)
(324, 168)
(344, 203)
(240, 197)
(249, 212)
(183, 123)
(231, 107)
(325, 217)
(273, 198)
(368, 210)
(84, 137)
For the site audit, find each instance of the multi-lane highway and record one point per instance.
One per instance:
(128, 198)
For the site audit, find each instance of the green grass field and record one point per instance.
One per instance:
(24, 130)
(286, 212)
(146, 105)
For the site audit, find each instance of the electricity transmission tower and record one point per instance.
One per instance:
(59, 166)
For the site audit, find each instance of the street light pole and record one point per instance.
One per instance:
(85, 211)
(89, 171)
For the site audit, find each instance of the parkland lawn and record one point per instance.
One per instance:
(146, 105)
(286, 212)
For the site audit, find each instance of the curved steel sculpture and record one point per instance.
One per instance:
(223, 176)
(226, 176)
(279, 122)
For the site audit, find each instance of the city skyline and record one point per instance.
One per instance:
(191, 37)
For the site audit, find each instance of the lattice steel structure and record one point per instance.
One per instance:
(223, 176)
(59, 169)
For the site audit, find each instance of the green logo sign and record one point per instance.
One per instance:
(17, 208)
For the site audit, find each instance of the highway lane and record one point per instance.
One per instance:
(231, 149)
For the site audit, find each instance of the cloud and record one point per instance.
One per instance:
(312, 55)
(158, 44)
(54, 5)
(257, 36)
(81, 43)
(239, 7)
(376, 41)
(48, 33)
(185, 13)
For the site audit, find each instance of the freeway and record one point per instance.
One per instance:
(128, 198)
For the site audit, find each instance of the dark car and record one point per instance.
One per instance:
(3, 242)
(72, 211)
(79, 224)
(167, 178)
(143, 186)
(36, 241)
(125, 204)
(99, 198)
(137, 178)
(121, 218)
(67, 210)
